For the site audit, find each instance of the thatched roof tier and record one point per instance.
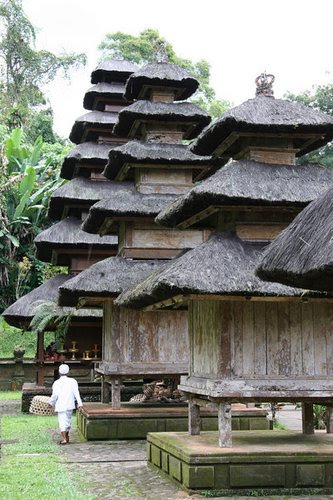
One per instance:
(104, 91)
(114, 70)
(67, 234)
(124, 204)
(161, 74)
(89, 153)
(302, 255)
(108, 278)
(152, 153)
(98, 120)
(223, 265)
(266, 114)
(23, 310)
(82, 192)
(192, 118)
(248, 182)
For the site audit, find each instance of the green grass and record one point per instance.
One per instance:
(11, 337)
(31, 468)
(10, 395)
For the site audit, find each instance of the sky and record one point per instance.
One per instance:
(293, 39)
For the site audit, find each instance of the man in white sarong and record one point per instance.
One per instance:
(65, 392)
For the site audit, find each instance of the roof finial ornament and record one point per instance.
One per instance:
(160, 53)
(264, 83)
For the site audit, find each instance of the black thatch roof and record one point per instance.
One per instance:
(104, 90)
(115, 70)
(183, 112)
(83, 192)
(223, 265)
(266, 114)
(161, 74)
(125, 203)
(68, 234)
(107, 278)
(101, 120)
(302, 255)
(248, 182)
(152, 153)
(88, 153)
(23, 310)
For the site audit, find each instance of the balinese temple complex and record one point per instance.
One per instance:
(64, 243)
(153, 167)
(249, 340)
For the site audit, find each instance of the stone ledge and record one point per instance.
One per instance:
(100, 421)
(270, 460)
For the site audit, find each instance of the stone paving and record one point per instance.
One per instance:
(117, 470)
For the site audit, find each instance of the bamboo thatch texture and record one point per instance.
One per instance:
(302, 255)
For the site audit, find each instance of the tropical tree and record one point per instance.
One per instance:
(140, 50)
(24, 70)
(320, 97)
(28, 176)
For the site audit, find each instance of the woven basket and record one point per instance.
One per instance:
(40, 406)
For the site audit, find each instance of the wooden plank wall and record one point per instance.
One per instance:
(141, 337)
(256, 339)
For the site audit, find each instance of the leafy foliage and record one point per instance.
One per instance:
(23, 69)
(28, 176)
(11, 337)
(140, 50)
(47, 316)
(320, 97)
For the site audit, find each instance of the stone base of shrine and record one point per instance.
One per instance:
(266, 463)
(133, 421)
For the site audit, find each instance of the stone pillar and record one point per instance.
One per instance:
(115, 392)
(194, 419)
(307, 418)
(224, 425)
(329, 419)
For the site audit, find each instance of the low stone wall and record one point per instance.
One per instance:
(13, 373)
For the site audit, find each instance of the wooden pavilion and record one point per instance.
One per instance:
(152, 169)
(249, 340)
(64, 243)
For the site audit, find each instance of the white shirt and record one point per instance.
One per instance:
(65, 391)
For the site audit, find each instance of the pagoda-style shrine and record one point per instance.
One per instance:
(64, 243)
(152, 168)
(250, 341)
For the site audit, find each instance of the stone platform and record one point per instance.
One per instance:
(133, 421)
(278, 462)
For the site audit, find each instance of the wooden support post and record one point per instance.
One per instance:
(329, 419)
(307, 418)
(194, 419)
(40, 359)
(105, 391)
(224, 425)
(115, 391)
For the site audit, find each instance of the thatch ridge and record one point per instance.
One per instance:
(83, 192)
(151, 153)
(87, 152)
(21, 312)
(107, 278)
(98, 119)
(125, 203)
(269, 115)
(302, 255)
(68, 234)
(161, 74)
(248, 182)
(223, 265)
(104, 90)
(164, 112)
(113, 70)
